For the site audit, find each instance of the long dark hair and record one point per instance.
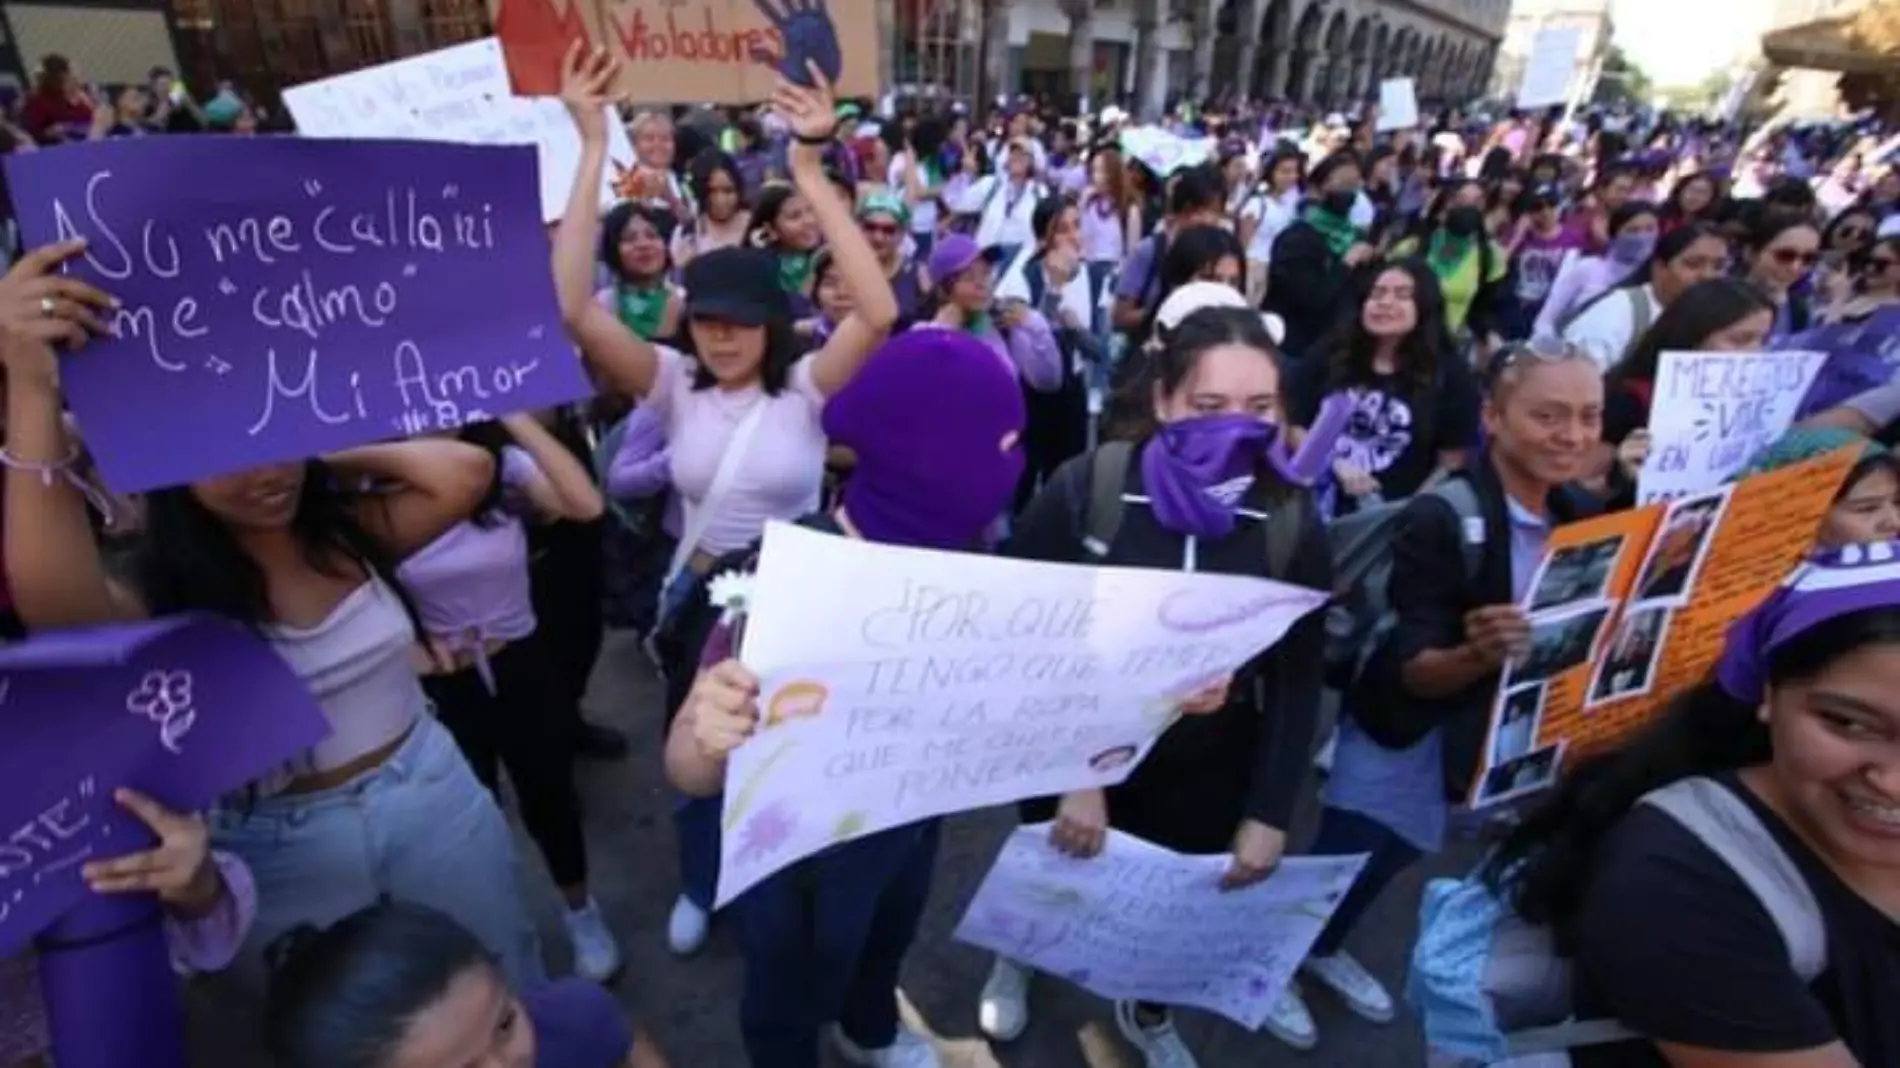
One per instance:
(1192, 250)
(1350, 348)
(699, 176)
(190, 561)
(346, 997)
(614, 225)
(1544, 865)
(1704, 308)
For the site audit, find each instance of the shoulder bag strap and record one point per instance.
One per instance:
(1464, 502)
(1729, 827)
(700, 517)
(1108, 473)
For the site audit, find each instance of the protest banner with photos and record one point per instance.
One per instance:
(459, 94)
(899, 684)
(183, 710)
(317, 295)
(1630, 608)
(1138, 922)
(704, 52)
(1711, 412)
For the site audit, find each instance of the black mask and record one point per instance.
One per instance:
(1340, 201)
(1464, 221)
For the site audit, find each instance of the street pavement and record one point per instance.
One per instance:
(691, 1005)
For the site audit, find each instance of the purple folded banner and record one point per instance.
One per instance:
(284, 297)
(185, 710)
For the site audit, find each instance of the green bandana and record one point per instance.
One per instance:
(1339, 232)
(794, 271)
(641, 310)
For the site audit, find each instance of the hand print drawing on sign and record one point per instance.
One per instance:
(164, 697)
(809, 37)
(1378, 433)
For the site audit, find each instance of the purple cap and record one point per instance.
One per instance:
(951, 256)
(1831, 584)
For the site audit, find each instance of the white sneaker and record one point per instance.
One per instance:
(686, 929)
(1002, 1010)
(1159, 1043)
(596, 954)
(1289, 1021)
(910, 1050)
(1344, 976)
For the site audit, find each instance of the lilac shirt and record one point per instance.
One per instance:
(202, 945)
(1031, 350)
(471, 584)
(1573, 288)
(782, 472)
(577, 1024)
(642, 466)
(1103, 232)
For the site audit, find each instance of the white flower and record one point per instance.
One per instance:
(729, 591)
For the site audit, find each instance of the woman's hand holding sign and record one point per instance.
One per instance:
(40, 307)
(724, 706)
(179, 869)
(587, 87)
(1081, 827)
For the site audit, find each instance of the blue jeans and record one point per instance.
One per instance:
(696, 834)
(420, 828)
(824, 941)
(1343, 832)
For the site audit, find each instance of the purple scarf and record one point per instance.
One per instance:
(1192, 468)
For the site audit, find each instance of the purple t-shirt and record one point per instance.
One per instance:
(1537, 261)
(577, 1024)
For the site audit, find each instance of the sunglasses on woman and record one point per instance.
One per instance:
(1788, 257)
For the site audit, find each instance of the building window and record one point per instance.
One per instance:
(447, 22)
(366, 24)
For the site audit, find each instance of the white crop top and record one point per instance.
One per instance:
(357, 665)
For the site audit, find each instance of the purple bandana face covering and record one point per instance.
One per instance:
(1188, 460)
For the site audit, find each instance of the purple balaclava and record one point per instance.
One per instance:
(926, 417)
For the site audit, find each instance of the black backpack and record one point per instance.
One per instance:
(1108, 473)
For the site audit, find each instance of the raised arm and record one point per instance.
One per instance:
(53, 566)
(429, 484)
(620, 356)
(559, 487)
(813, 117)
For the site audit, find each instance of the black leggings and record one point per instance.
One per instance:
(521, 726)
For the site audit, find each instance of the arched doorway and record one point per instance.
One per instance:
(1359, 86)
(1276, 47)
(1332, 87)
(1302, 66)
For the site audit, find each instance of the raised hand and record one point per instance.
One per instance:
(809, 53)
(587, 87)
(811, 111)
(39, 307)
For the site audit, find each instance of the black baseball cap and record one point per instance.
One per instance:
(739, 286)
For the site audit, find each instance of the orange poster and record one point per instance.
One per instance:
(1628, 609)
(693, 51)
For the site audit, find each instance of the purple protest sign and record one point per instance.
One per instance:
(285, 297)
(183, 709)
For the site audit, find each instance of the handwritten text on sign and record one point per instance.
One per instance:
(1713, 411)
(702, 51)
(166, 708)
(1137, 922)
(458, 94)
(928, 683)
(316, 295)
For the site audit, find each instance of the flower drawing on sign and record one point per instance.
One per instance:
(164, 697)
(740, 802)
(849, 826)
(766, 833)
(1026, 936)
(809, 36)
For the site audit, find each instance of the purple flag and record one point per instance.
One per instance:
(285, 297)
(1860, 356)
(183, 709)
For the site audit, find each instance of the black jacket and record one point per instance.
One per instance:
(1306, 286)
(1249, 759)
(1430, 593)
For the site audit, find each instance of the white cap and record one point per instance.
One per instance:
(1889, 227)
(1112, 114)
(1194, 296)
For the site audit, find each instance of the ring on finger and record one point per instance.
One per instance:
(48, 307)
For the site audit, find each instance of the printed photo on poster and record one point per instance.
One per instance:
(1521, 708)
(1525, 775)
(1575, 573)
(1628, 665)
(1676, 555)
(1561, 642)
